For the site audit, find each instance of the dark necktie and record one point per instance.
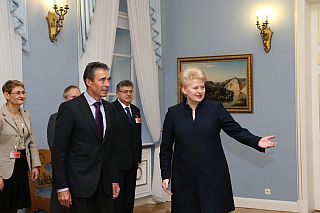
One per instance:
(128, 114)
(99, 120)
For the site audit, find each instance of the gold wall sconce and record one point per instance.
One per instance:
(265, 31)
(55, 20)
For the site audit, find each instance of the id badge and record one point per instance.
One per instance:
(138, 120)
(14, 154)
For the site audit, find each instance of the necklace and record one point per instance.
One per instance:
(18, 120)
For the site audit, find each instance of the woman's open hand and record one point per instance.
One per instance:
(266, 142)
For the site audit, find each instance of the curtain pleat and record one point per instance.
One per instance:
(11, 47)
(147, 78)
(100, 44)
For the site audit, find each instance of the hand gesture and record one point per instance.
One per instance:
(266, 142)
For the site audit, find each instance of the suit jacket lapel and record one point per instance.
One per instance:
(123, 114)
(26, 120)
(135, 115)
(107, 112)
(87, 113)
(8, 117)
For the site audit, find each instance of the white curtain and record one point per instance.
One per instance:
(147, 77)
(11, 47)
(158, 194)
(86, 11)
(19, 16)
(155, 19)
(100, 43)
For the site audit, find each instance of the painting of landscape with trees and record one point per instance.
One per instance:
(228, 79)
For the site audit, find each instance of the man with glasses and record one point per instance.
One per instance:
(130, 145)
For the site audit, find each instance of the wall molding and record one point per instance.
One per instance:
(275, 205)
(301, 105)
(240, 202)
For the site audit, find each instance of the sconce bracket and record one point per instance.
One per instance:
(55, 21)
(266, 35)
(53, 28)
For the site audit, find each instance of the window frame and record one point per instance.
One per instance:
(123, 23)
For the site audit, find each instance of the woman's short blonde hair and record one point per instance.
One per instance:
(10, 85)
(192, 73)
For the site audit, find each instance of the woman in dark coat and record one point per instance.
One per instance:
(191, 153)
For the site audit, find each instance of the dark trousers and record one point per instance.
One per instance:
(99, 202)
(125, 202)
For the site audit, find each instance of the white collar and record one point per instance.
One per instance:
(123, 105)
(90, 99)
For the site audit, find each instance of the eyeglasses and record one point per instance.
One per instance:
(126, 91)
(19, 93)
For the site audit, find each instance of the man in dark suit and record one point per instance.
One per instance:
(84, 155)
(69, 93)
(130, 145)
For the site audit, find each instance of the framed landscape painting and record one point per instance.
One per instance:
(228, 79)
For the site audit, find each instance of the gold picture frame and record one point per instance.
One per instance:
(229, 79)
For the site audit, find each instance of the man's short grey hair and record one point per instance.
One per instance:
(68, 88)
